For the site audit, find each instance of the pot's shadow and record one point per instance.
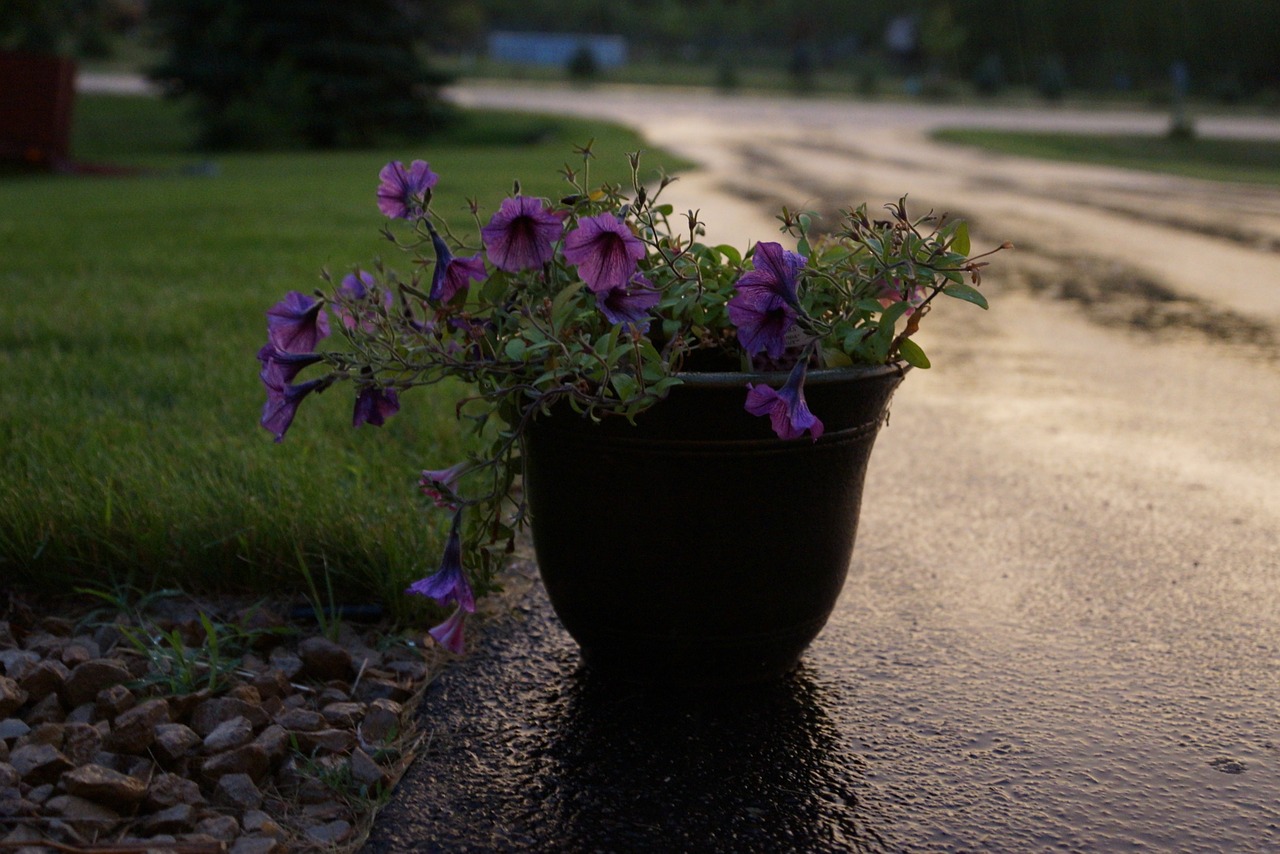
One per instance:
(748, 769)
(530, 751)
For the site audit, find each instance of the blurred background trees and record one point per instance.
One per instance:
(1230, 46)
(323, 73)
(55, 26)
(335, 73)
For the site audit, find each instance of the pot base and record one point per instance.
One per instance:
(695, 547)
(694, 662)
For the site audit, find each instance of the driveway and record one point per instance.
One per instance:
(1061, 628)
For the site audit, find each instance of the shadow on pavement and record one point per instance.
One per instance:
(531, 751)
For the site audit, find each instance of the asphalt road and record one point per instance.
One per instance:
(1061, 629)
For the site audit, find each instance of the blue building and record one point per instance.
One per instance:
(555, 48)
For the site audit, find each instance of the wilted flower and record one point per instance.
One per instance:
(450, 634)
(438, 484)
(356, 288)
(374, 406)
(297, 323)
(279, 368)
(452, 274)
(448, 585)
(893, 290)
(282, 405)
(785, 407)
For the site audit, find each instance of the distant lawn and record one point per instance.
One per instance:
(1249, 161)
(133, 307)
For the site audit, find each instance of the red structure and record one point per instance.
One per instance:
(36, 95)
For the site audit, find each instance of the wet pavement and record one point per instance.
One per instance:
(1061, 628)
(1050, 639)
(532, 752)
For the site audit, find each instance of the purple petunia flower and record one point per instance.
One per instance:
(522, 234)
(356, 287)
(401, 195)
(374, 406)
(449, 634)
(775, 271)
(297, 323)
(452, 274)
(449, 583)
(630, 303)
(604, 250)
(282, 405)
(786, 407)
(279, 368)
(763, 319)
(765, 305)
(435, 482)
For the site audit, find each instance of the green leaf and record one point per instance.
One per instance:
(893, 314)
(966, 293)
(493, 289)
(561, 305)
(662, 386)
(624, 385)
(731, 254)
(961, 242)
(515, 349)
(911, 352)
(835, 358)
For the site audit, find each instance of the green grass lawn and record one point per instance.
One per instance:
(133, 308)
(1249, 161)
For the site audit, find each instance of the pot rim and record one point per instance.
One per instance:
(821, 376)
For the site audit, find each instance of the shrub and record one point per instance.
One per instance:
(321, 73)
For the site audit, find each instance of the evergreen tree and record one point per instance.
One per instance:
(323, 73)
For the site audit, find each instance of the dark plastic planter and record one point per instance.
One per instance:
(697, 548)
(36, 96)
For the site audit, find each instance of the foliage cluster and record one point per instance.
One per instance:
(595, 304)
(123, 451)
(53, 26)
(1229, 45)
(322, 73)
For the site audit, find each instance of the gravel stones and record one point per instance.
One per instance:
(90, 677)
(238, 791)
(288, 754)
(105, 786)
(11, 696)
(38, 764)
(229, 735)
(174, 742)
(133, 731)
(324, 660)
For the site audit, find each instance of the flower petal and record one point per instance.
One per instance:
(604, 250)
(449, 634)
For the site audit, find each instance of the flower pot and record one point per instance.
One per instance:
(695, 547)
(35, 107)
